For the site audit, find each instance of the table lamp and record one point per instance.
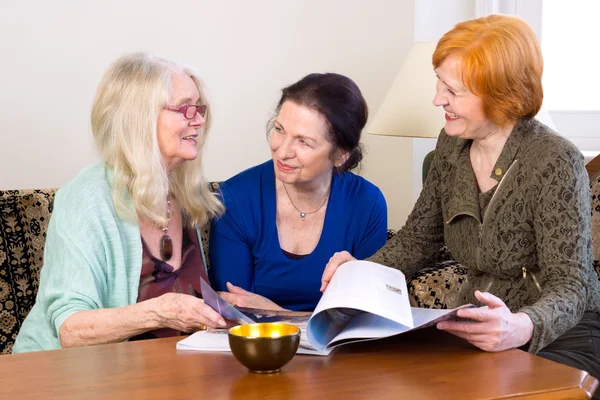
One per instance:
(407, 109)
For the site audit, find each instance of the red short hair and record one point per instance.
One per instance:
(501, 62)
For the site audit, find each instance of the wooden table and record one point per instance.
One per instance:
(419, 365)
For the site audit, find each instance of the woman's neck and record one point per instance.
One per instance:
(490, 147)
(308, 193)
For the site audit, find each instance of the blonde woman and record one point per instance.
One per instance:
(123, 257)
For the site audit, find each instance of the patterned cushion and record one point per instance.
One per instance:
(595, 186)
(438, 286)
(205, 231)
(24, 216)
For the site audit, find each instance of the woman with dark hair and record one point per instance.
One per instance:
(510, 199)
(285, 218)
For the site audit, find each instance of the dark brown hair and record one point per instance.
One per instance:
(339, 100)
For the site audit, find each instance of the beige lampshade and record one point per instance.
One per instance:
(407, 109)
(544, 117)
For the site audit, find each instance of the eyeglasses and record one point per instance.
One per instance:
(189, 111)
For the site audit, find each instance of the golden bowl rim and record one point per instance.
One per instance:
(297, 333)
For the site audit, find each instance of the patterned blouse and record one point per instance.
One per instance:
(158, 278)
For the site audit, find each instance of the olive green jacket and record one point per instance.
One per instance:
(531, 245)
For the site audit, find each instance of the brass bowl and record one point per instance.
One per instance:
(266, 347)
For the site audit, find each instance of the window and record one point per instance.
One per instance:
(570, 31)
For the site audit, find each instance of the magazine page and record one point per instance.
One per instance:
(425, 317)
(359, 286)
(217, 303)
(298, 318)
(367, 326)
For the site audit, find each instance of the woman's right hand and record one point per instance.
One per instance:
(182, 312)
(334, 262)
(186, 313)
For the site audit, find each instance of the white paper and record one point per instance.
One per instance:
(369, 287)
(218, 340)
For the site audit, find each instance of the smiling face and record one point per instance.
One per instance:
(178, 136)
(464, 110)
(299, 146)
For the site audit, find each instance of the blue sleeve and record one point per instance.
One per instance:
(229, 251)
(375, 231)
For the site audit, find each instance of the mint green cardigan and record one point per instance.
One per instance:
(92, 259)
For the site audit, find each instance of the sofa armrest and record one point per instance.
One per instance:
(24, 217)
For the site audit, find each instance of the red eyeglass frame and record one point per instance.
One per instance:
(200, 109)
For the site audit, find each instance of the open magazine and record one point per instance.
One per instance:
(364, 301)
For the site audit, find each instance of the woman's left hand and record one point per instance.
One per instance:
(492, 327)
(243, 298)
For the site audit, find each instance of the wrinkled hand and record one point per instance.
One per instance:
(186, 313)
(243, 298)
(493, 327)
(334, 262)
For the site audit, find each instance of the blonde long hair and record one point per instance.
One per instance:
(129, 99)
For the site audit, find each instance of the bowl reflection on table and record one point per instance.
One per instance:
(264, 347)
(267, 386)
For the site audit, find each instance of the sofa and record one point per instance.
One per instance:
(24, 217)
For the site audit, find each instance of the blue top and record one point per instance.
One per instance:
(244, 244)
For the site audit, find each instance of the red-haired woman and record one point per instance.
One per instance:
(509, 198)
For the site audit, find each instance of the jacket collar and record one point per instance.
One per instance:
(510, 150)
(464, 192)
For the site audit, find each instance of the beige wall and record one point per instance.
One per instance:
(54, 53)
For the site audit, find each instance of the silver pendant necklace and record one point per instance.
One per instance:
(303, 214)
